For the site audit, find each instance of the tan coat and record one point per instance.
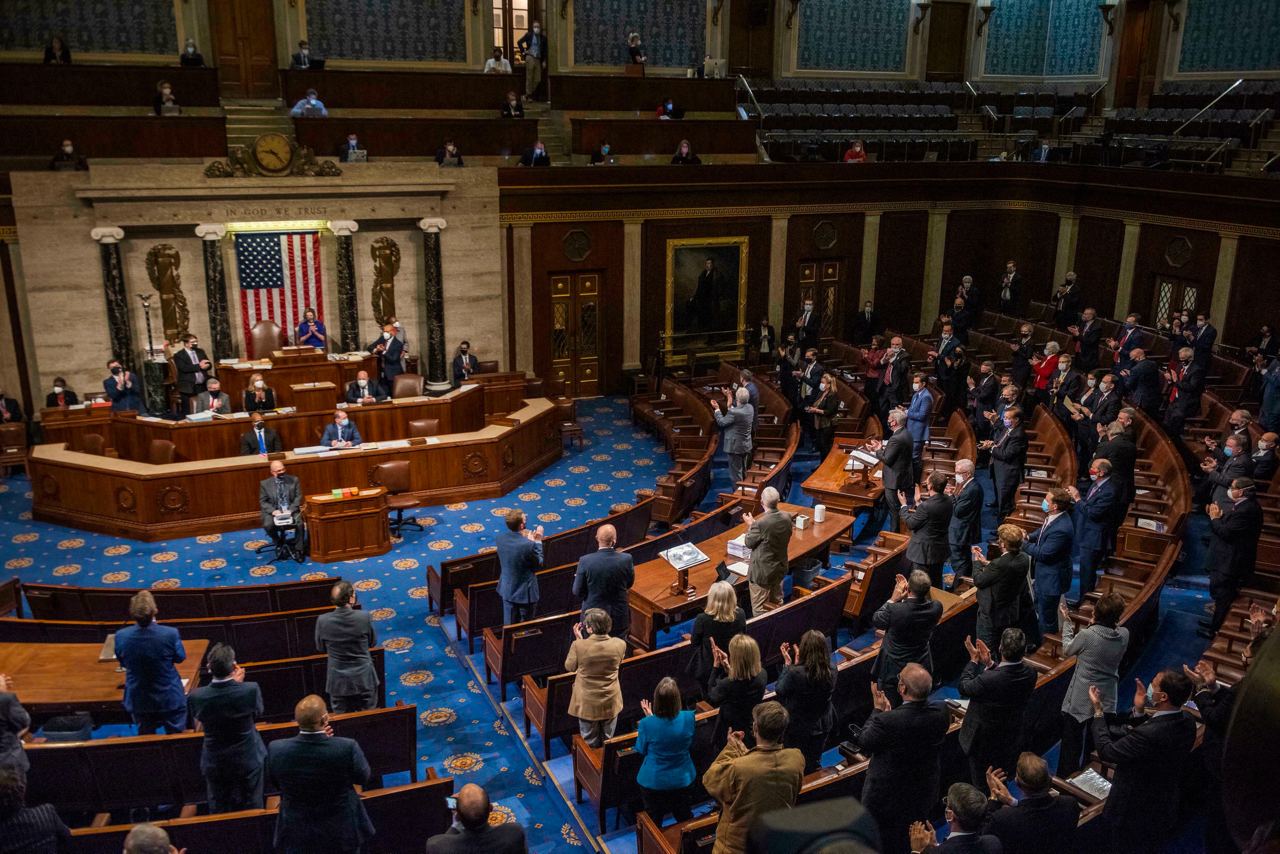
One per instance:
(597, 696)
(748, 783)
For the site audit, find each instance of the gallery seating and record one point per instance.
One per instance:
(63, 602)
(30, 83)
(398, 136)
(650, 136)
(284, 680)
(142, 135)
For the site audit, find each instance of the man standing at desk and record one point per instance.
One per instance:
(213, 399)
(261, 439)
(123, 388)
(346, 635)
(279, 498)
(519, 556)
(232, 754)
(341, 433)
(193, 368)
(390, 349)
(150, 653)
(604, 580)
(464, 364)
(364, 392)
(768, 538)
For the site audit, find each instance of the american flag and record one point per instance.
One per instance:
(279, 278)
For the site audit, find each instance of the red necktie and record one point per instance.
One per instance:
(1173, 388)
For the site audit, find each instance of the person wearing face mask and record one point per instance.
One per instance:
(1023, 351)
(928, 521)
(497, 64)
(684, 155)
(1095, 513)
(399, 329)
(962, 320)
(895, 377)
(808, 377)
(1004, 597)
(668, 110)
(1235, 524)
(895, 454)
(807, 326)
(1010, 286)
(966, 812)
(512, 108)
(1142, 382)
(191, 57)
(942, 355)
(259, 397)
(165, 102)
(260, 439)
(1237, 425)
(464, 364)
(311, 331)
(1086, 338)
(304, 59)
(279, 500)
(1098, 407)
(10, 410)
(765, 339)
(1099, 649)
(310, 106)
(965, 527)
(1050, 546)
(67, 159)
(971, 295)
(1201, 337)
(824, 410)
(1066, 303)
(535, 51)
(866, 325)
(1268, 371)
(1186, 385)
(1067, 385)
(1008, 450)
(1045, 368)
(919, 415)
(448, 155)
(1264, 458)
(390, 350)
(212, 399)
(1265, 343)
(1220, 472)
(601, 156)
(347, 151)
(194, 370)
(536, 156)
(61, 397)
(123, 388)
(1126, 341)
(736, 418)
(983, 394)
(364, 391)
(341, 432)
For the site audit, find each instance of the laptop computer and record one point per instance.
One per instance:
(357, 155)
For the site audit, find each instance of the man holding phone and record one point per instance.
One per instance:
(471, 831)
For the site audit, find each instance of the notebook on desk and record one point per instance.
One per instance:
(108, 651)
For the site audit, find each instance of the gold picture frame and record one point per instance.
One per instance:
(698, 314)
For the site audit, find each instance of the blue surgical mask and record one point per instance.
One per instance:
(1044, 505)
(1228, 451)
(1128, 326)
(1151, 695)
(604, 149)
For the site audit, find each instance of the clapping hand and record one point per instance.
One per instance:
(1074, 493)
(978, 556)
(748, 519)
(922, 836)
(1257, 615)
(1214, 511)
(986, 444)
(1210, 442)
(984, 654)
(719, 658)
(996, 785)
(579, 631)
(971, 649)
(735, 740)
(789, 652)
(1205, 674)
(899, 588)
(646, 707)
(6, 683)
(1208, 465)
(873, 445)
(1139, 696)
(237, 675)
(1063, 611)
(1095, 699)
(878, 699)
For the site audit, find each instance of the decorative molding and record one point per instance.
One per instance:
(173, 499)
(211, 231)
(433, 224)
(126, 500)
(344, 227)
(107, 234)
(474, 465)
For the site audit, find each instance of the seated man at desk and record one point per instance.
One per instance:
(259, 397)
(364, 391)
(67, 158)
(310, 106)
(123, 388)
(341, 433)
(464, 364)
(261, 439)
(311, 331)
(165, 103)
(10, 410)
(61, 396)
(390, 348)
(279, 498)
(213, 398)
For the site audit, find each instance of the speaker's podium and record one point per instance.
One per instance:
(347, 524)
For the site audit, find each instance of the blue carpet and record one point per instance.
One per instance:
(463, 731)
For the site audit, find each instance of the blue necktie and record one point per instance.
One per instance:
(262, 444)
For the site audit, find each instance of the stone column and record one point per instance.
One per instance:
(348, 301)
(935, 253)
(522, 281)
(433, 306)
(870, 259)
(215, 287)
(1227, 248)
(117, 297)
(777, 273)
(1068, 234)
(1128, 263)
(631, 246)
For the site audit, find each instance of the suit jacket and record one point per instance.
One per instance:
(1002, 590)
(1202, 342)
(984, 394)
(149, 655)
(13, 720)
(13, 409)
(908, 627)
(1051, 548)
(1104, 410)
(1070, 386)
(748, 783)
(1143, 385)
(35, 830)
(1098, 650)
(865, 327)
(1216, 704)
(375, 389)
(1095, 513)
(1233, 544)
(1190, 386)
(348, 433)
(519, 558)
(1037, 824)
(1014, 287)
(544, 47)
(249, 442)
(1089, 340)
(1067, 307)
(1128, 340)
(228, 711)
(300, 61)
(965, 527)
(897, 388)
(269, 499)
(807, 333)
(533, 158)
(896, 456)
(463, 366)
(69, 397)
(319, 809)
(946, 350)
(810, 381)
(346, 636)
(997, 697)
(929, 523)
(251, 403)
(597, 694)
(737, 423)
(905, 745)
(764, 340)
(768, 539)
(204, 402)
(967, 843)
(603, 580)
(1150, 759)
(918, 415)
(188, 370)
(1227, 471)
(1020, 367)
(392, 357)
(1009, 456)
(123, 399)
(1264, 465)
(1122, 453)
(491, 839)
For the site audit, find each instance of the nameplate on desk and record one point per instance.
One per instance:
(310, 449)
(417, 399)
(152, 419)
(75, 406)
(1037, 473)
(394, 443)
(200, 416)
(237, 415)
(370, 446)
(327, 453)
(232, 361)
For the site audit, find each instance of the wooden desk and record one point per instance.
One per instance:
(60, 678)
(428, 90)
(283, 371)
(347, 527)
(313, 396)
(842, 490)
(400, 136)
(653, 606)
(116, 136)
(108, 85)
(613, 92)
(660, 138)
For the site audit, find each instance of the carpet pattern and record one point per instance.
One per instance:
(461, 730)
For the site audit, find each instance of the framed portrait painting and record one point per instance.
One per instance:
(706, 288)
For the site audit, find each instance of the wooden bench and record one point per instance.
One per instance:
(659, 139)
(143, 136)
(11, 597)
(62, 602)
(30, 83)
(388, 90)
(285, 680)
(397, 136)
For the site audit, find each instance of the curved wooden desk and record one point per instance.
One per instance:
(146, 502)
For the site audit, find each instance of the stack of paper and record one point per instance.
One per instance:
(737, 547)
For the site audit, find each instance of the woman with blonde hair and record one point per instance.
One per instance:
(259, 397)
(738, 682)
(714, 627)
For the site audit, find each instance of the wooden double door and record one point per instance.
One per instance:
(575, 332)
(823, 281)
(244, 44)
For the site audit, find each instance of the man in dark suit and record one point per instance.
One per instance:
(1264, 458)
(1008, 458)
(965, 528)
(1087, 335)
(346, 636)
(149, 653)
(905, 745)
(1220, 472)
(1010, 286)
(231, 758)
(10, 410)
(303, 58)
(908, 619)
(1100, 412)
(390, 349)
(536, 156)
(535, 50)
(1039, 822)
(895, 377)
(1202, 337)
(123, 388)
(1142, 381)
(1066, 302)
(1023, 349)
(520, 557)
(212, 399)
(966, 812)
(364, 391)
(464, 364)
(1119, 449)
(1068, 384)
(15, 723)
(24, 828)
(315, 772)
(193, 368)
(604, 578)
(1128, 339)
(1050, 546)
(1150, 755)
(472, 833)
(1095, 517)
(737, 421)
(866, 324)
(279, 500)
(895, 454)
(1186, 385)
(998, 694)
(944, 355)
(341, 432)
(807, 326)
(261, 439)
(929, 522)
(1235, 527)
(984, 393)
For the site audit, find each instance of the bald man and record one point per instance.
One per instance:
(472, 833)
(315, 772)
(604, 580)
(148, 839)
(279, 500)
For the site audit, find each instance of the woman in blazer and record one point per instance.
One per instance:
(594, 659)
(259, 397)
(1098, 649)
(1004, 600)
(738, 683)
(804, 689)
(664, 737)
(824, 411)
(871, 356)
(716, 625)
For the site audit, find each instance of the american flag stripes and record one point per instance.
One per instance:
(279, 278)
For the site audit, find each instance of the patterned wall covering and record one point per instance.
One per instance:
(418, 30)
(1049, 38)
(90, 26)
(674, 32)
(869, 35)
(1230, 35)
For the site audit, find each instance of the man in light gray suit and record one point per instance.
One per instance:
(768, 537)
(736, 420)
(346, 635)
(213, 399)
(279, 498)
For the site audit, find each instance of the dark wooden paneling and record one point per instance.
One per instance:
(116, 136)
(659, 138)
(598, 92)
(979, 242)
(653, 268)
(1097, 262)
(900, 263)
(427, 90)
(802, 245)
(105, 85)
(1255, 300)
(1156, 257)
(606, 256)
(410, 137)
(948, 38)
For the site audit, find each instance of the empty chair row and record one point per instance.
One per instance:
(817, 148)
(1251, 94)
(872, 91)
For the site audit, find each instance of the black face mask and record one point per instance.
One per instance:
(116, 371)
(259, 427)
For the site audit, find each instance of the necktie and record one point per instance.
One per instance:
(888, 373)
(1092, 490)
(262, 444)
(280, 494)
(1173, 387)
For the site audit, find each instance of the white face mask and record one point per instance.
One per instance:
(57, 389)
(915, 386)
(959, 478)
(396, 324)
(1232, 495)
(258, 384)
(1046, 351)
(341, 422)
(67, 149)
(1093, 382)
(362, 383)
(386, 335)
(822, 386)
(191, 49)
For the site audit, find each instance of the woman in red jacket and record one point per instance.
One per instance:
(1044, 367)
